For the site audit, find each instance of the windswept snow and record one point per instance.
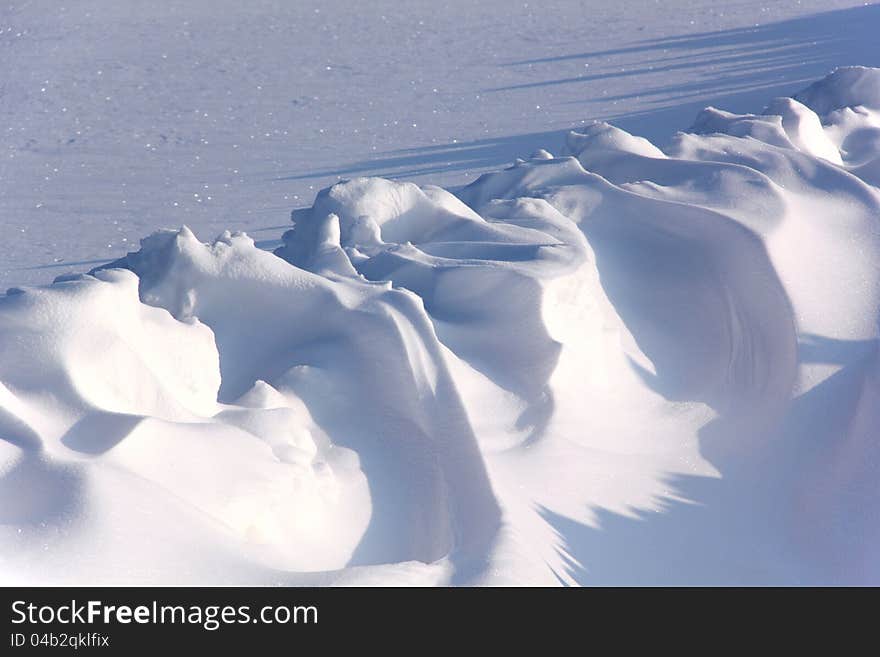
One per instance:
(118, 117)
(624, 364)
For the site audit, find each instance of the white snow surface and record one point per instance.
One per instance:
(118, 117)
(622, 364)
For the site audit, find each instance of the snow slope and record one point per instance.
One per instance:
(623, 365)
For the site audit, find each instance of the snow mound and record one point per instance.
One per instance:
(623, 365)
(847, 86)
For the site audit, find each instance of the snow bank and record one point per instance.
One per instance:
(622, 365)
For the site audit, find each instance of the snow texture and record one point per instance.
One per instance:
(118, 117)
(619, 364)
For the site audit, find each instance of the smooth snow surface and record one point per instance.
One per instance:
(624, 364)
(118, 117)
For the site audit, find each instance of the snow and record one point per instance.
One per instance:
(637, 356)
(118, 118)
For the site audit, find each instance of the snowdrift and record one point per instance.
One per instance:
(625, 365)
